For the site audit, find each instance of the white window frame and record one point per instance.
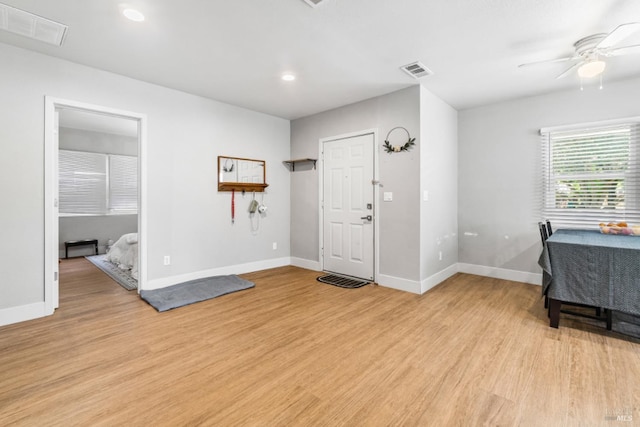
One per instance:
(584, 217)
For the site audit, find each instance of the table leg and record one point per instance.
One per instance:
(554, 312)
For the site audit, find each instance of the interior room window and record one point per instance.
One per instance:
(97, 184)
(590, 174)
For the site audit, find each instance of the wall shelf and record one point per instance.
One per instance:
(293, 162)
(242, 186)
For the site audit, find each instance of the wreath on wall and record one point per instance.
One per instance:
(398, 148)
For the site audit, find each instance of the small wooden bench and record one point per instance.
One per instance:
(85, 242)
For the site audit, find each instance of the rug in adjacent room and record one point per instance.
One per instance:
(193, 291)
(122, 277)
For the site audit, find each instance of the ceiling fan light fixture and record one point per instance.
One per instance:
(591, 69)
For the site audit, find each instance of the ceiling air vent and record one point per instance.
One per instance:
(416, 70)
(314, 3)
(27, 24)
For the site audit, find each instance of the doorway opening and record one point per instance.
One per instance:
(107, 143)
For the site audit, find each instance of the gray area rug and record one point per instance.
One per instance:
(194, 291)
(122, 277)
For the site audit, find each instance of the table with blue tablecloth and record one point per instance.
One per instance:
(588, 267)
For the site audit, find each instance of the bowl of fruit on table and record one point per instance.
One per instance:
(620, 228)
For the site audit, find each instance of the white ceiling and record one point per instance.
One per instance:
(341, 52)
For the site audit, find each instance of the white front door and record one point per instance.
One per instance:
(348, 206)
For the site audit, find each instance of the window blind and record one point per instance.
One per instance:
(123, 184)
(82, 182)
(591, 174)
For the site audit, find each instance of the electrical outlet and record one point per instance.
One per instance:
(275, 245)
(440, 255)
(167, 260)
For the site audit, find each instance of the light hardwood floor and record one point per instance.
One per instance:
(292, 351)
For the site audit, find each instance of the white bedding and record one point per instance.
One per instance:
(124, 253)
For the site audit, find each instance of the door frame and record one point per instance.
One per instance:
(51, 247)
(376, 195)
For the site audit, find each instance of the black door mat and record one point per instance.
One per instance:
(342, 282)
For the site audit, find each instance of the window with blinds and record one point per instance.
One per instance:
(591, 174)
(97, 184)
(123, 184)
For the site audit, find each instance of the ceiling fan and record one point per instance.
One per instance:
(591, 51)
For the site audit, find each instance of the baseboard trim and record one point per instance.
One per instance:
(22, 313)
(435, 279)
(221, 271)
(439, 277)
(398, 283)
(501, 273)
(306, 263)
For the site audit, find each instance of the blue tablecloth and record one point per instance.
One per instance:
(589, 267)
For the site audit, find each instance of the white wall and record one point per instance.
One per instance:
(101, 227)
(96, 142)
(439, 179)
(188, 218)
(500, 176)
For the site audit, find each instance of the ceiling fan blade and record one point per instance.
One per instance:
(569, 70)
(548, 61)
(624, 50)
(620, 33)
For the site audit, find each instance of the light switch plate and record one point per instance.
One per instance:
(387, 196)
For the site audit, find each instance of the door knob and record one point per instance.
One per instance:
(368, 218)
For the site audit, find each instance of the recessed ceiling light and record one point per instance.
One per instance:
(133, 14)
(288, 77)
